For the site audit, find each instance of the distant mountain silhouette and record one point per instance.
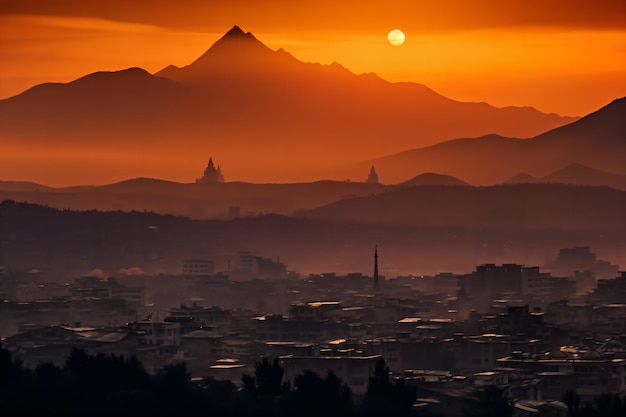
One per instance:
(196, 200)
(575, 174)
(430, 178)
(263, 110)
(522, 178)
(23, 186)
(494, 207)
(113, 240)
(597, 141)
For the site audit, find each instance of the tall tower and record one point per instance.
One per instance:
(376, 287)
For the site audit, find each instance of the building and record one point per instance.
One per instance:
(537, 285)
(211, 174)
(611, 290)
(19, 285)
(570, 260)
(372, 178)
(198, 267)
(354, 370)
(91, 287)
(196, 316)
(590, 372)
(252, 266)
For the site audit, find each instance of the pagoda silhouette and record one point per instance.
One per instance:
(372, 178)
(211, 174)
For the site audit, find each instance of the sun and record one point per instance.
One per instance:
(396, 37)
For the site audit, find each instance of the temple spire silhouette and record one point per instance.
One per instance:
(372, 178)
(211, 174)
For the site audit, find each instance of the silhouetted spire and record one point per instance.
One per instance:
(372, 178)
(211, 174)
(376, 286)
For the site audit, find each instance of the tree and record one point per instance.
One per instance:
(174, 376)
(267, 380)
(489, 402)
(265, 389)
(9, 369)
(317, 396)
(603, 405)
(384, 398)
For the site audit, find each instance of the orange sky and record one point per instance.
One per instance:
(563, 56)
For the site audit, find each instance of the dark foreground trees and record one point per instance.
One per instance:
(106, 385)
(386, 398)
(603, 405)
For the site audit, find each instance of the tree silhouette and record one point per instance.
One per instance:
(603, 405)
(384, 398)
(265, 388)
(610, 405)
(267, 379)
(489, 402)
(317, 396)
(9, 369)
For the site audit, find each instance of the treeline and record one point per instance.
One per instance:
(604, 405)
(105, 385)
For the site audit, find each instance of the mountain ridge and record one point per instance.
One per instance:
(575, 173)
(596, 141)
(294, 113)
(499, 206)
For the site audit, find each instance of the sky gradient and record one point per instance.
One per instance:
(567, 57)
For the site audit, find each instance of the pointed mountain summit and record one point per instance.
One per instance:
(235, 53)
(234, 44)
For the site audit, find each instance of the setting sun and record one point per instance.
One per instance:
(396, 37)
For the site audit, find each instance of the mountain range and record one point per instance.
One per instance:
(204, 200)
(574, 174)
(68, 243)
(597, 141)
(269, 117)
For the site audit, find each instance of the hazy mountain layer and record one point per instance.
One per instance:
(575, 174)
(64, 244)
(501, 207)
(202, 201)
(598, 141)
(268, 116)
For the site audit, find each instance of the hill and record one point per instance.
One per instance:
(597, 140)
(200, 201)
(430, 178)
(496, 207)
(575, 174)
(67, 243)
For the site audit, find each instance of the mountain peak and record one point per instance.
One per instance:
(237, 36)
(231, 47)
(235, 31)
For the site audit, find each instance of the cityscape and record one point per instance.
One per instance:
(268, 227)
